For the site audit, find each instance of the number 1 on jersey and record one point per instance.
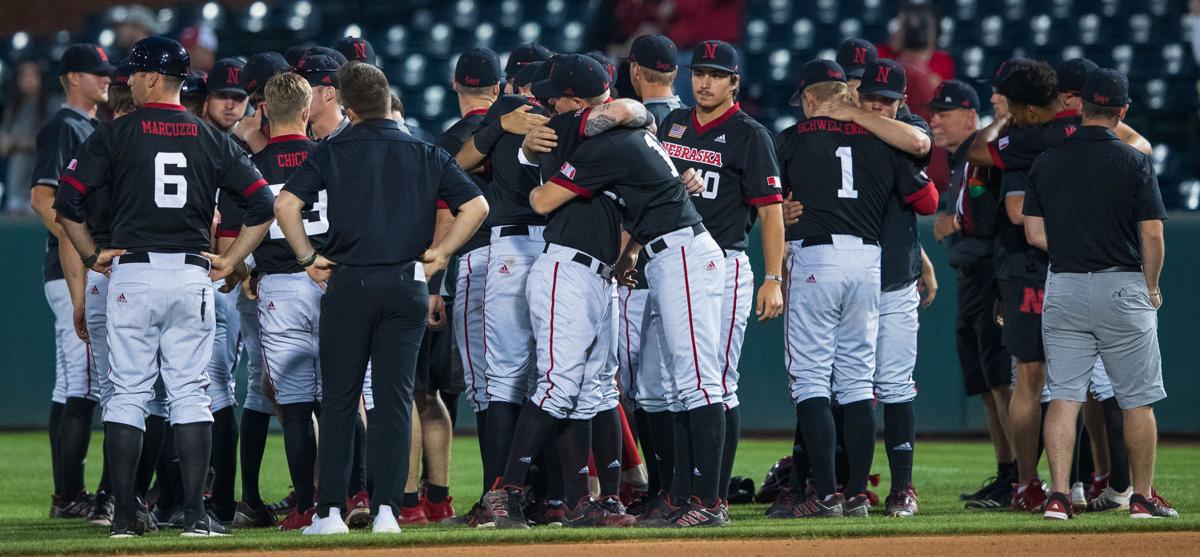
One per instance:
(847, 190)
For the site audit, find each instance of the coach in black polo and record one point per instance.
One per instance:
(1094, 205)
(378, 254)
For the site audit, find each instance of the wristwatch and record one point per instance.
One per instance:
(90, 260)
(775, 278)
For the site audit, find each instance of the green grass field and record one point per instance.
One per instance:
(943, 470)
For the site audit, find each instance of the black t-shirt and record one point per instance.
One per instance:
(1092, 191)
(588, 224)
(844, 176)
(633, 164)
(1013, 154)
(163, 167)
(56, 142)
(973, 197)
(735, 158)
(452, 141)
(381, 213)
(900, 245)
(277, 161)
(511, 180)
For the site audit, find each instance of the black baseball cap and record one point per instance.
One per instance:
(717, 55)
(605, 61)
(122, 73)
(1073, 73)
(1004, 69)
(655, 52)
(318, 69)
(542, 73)
(478, 67)
(295, 53)
(573, 75)
(226, 76)
(260, 68)
(952, 95)
(1106, 87)
(524, 54)
(527, 73)
(883, 78)
(357, 49)
(86, 58)
(195, 85)
(853, 55)
(814, 72)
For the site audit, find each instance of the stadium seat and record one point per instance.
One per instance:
(756, 36)
(1089, 29)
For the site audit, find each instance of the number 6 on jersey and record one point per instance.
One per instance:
(161, 198)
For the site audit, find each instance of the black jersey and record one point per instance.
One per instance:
(511, 180)
(735, 158)
(56, 142)
(633, 164)
(277, 161)
(163, 166)
(452, 141)
(844, 176)
(900, 245)
(973, 198)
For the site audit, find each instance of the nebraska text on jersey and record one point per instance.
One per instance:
(692, 154)
(170, 129)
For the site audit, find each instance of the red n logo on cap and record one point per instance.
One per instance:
(360, 51)
(103, 56)
(860, 55)
(233, 75)
(710, 50)
(882, 76)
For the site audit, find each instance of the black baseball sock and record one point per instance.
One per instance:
(801, 470)
(899, 436)
(436, 493)
(76, 431)
(536, 426)
(660, 431)
(607, 437)
(536, 478)
(224, 462)
(1087, 465)
(553, 470)
(1075, 453)
(1118, 452)
(358, 469)
(841, 461)
(1007, 471)
(170, 484)
(152, 443)
(646, 440)
(300, 446)
(1041, 434)
(816, 423)
(451, 402)
(681, 478)
(733, 430)
(124, 443)
(707, 424)
(411, 499)
(55, 425)
(105, 481)
(193, 444)
(255, 426)
(860, 444)
(574, 443)
(501, 423)
(480, 434)
(370, 480)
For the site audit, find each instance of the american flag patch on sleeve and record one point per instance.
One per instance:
(773, 181)
(568, 170)
(677, 131)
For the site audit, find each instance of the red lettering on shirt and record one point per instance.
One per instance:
(826, 125)
(1031, 302)
(170, 129)
(289, 160)
(692, 154)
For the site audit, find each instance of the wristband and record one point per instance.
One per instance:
(775, 278)
(90, 260)
(486, 137)
(308, 261)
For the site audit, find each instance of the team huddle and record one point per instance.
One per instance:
(594, 249)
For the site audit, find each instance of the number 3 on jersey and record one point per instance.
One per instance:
(847, 190)
(315, 222)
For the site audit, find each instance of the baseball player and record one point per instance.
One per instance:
(166, 166)
(522, 56)
(85, 74)
(734, 156)
(833, 308)
(356, 49)
(1031, 90)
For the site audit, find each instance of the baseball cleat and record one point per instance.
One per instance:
(327, 526)
(1078, 496)
(545, 513)
(694, 514)
(901, 503)
(437, 512)
(589, 513)
(1152, 507)
(658, 513)
(989, 485)
(255, 515)
(1030, 499)
(782, 506)
(204, 527)
(296, 520)
(504, 505)
(284, 505)
(1000, 497)
(102, 509)
(385, 521)
(123, 528)
(814, 507)
(857, 506)
(1110, 500)
(474, 518)
(413, 516)
(358, 510)
(1097, 485)
(143, 516)
(725, 513)
(638, 506)
(79, 507)
(1059, 507)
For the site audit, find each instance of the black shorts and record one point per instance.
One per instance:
(1021, 302)
(984, 361)
(436, 361)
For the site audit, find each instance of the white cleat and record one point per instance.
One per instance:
(1078, 496)
(327, 526)
(385, 521)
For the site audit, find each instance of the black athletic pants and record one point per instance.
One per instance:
(375, 314)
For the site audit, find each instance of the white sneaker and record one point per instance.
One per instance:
(1078, 496)
(1110, 500)
(329, 525)
(385, 521)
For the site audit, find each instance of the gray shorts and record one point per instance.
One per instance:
(1107, 315)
